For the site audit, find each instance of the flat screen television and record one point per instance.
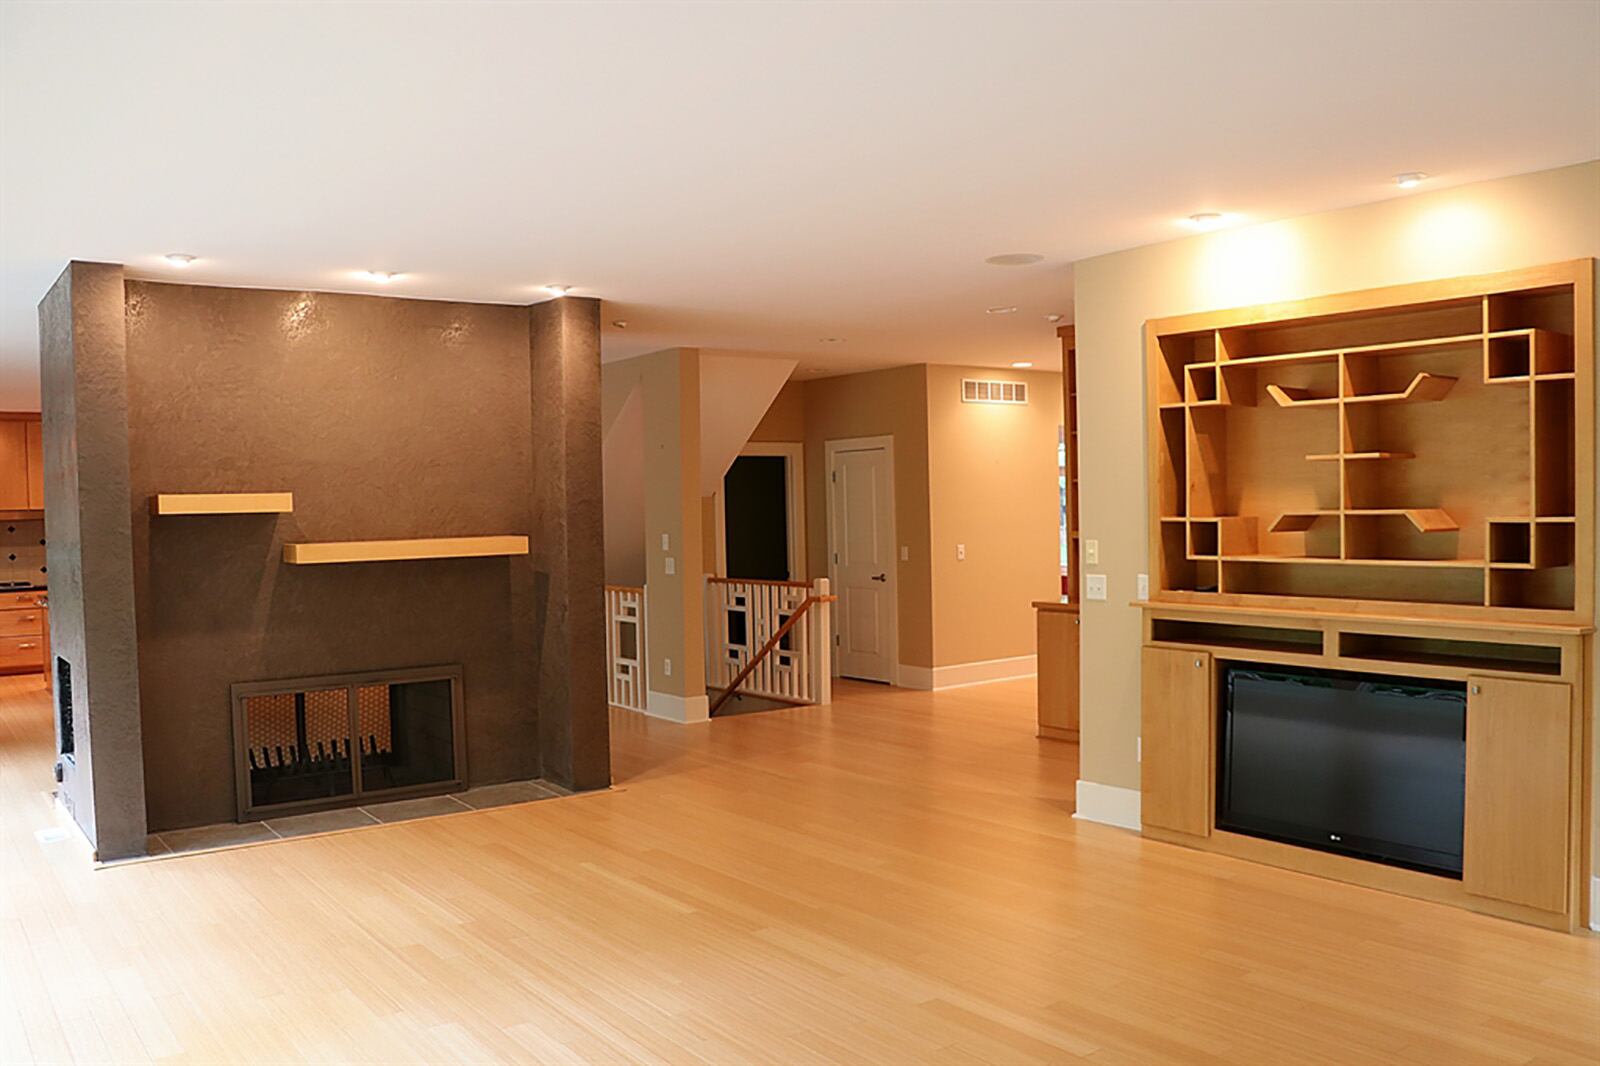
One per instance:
(1360, 764)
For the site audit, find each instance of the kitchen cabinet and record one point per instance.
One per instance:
(24, 632)
(21, 462)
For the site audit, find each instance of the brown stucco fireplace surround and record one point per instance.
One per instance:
(388, 421)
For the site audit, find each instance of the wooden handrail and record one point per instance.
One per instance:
(772, 642)
(757, 581)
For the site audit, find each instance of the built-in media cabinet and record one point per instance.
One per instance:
(1396, 485)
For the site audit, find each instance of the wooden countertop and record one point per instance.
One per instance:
(1373, 617)
(1056, 605)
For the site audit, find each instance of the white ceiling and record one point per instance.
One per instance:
(754, 176)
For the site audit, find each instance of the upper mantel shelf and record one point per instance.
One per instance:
(221, 503)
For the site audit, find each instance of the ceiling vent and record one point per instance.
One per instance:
(974, 390)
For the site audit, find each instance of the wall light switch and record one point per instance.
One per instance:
(672, 565)
(1091, 552)
(961, 551)
(1144, 586)
(905, 554)
(1094, 587)
(666, 543)
(666, 667)
(1138, 749)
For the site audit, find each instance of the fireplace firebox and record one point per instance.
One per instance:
(315, 743)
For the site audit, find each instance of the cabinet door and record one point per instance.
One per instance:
(35, 448)
(1176, 772)
(1519, 775)
(1058, 673)
(13, 465)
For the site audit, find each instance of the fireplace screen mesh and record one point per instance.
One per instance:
(295, 740)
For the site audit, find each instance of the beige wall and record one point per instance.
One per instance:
(979, 475)
(670, 387)
(878, 403)
(785, 420)
(994, 489)
(1495, 225)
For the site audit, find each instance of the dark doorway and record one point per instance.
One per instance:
(756, 517)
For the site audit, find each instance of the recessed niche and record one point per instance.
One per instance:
(1508, 358)
(1511, 542)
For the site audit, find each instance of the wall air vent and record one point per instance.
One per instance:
(974, 390)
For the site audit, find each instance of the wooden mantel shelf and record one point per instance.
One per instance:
(384, 551)
(221, 503)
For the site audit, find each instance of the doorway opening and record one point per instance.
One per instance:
(760, 515)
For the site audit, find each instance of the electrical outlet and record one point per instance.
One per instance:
(672, 565)
(905, 554)
(961, 551)
(1091, 553)
(1094, 587)
(666, 667)
(1144, 586)
(666, 542)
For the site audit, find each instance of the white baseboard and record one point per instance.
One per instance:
(674, 708)
(1594, 903)
(958, 675)
(1108, 805)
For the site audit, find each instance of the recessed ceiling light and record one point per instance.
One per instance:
(619, 323)
(830, 340)
(1000, 311)
(1206, 220)
(1054, 318)
(1022, 364)
(179, 259)
(557, 290)
(1014, 259)
(1411, 179)
(382, 277)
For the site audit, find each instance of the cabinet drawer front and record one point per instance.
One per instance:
(12, 600)
(21, 651)
(27, 622)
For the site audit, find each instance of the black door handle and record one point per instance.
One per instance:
(881, 577)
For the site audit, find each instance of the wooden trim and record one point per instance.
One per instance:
(221, 503)
(382, 551)
(753, 581)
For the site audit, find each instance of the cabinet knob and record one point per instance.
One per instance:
(1477, 690)
(1198, 663)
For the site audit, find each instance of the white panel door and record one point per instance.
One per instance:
(862, 536)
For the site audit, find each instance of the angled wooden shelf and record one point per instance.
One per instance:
(1426, 519)
(221, 503)
(385, 551)
(1298, 521)
(1424, 388)
(1295, 396)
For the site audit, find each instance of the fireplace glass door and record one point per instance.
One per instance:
(317, 743)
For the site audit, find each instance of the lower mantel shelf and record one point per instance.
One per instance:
(384, 551)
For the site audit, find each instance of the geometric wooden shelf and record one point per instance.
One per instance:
(1333, 457)
(382, 551)
(1510, 356)
(221, 503)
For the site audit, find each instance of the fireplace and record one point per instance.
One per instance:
(344, 740)
(1367, 765)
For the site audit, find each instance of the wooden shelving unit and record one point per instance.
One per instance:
(386, 551)
(1429, 444)
(221, 503)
